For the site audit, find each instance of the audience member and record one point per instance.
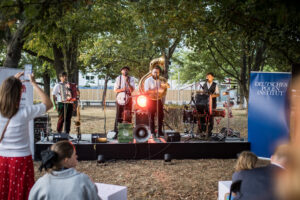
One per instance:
(62, 181)
(258, 183)
(16, 166)
(288, 181)
(246, 161)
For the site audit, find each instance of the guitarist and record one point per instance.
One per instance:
(124, 86)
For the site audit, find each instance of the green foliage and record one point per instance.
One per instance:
(105, 35)
(274, 22)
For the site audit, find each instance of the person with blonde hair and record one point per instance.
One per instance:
(16, 166)
(259, 183)
(246, 160)
(62, 180)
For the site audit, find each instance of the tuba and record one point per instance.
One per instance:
(161, 62)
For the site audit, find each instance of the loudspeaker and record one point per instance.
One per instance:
(60, 136)
(172, 136)
(141, 117)
(40, 125)
(141, 133)
(98, 138)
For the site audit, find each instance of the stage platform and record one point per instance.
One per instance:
(153, 149)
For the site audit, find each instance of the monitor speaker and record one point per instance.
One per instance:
(141, 133)
(172, 136)
(141, 117)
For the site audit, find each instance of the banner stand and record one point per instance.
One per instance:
(268, 111)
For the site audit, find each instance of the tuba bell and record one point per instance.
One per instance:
(155, 62)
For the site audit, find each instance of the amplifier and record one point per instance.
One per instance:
(40, 127)
(141, 117)
(125, 134)
(98, 138)
(172, 136)
(60, 136)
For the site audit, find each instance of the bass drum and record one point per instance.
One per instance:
(122, 98)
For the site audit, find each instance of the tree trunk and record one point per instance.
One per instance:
(66, 60)
(46, 80)
(243, 79)
(168, 53)
(14, 46)
(104, 91)
(259, 57)
(58, 59)
(70, 60)
(166, 72)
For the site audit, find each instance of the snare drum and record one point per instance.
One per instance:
(219, 113)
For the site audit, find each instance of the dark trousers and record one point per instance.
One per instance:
(204, 121)
(152, 110)
(61, 120)
(119, 114)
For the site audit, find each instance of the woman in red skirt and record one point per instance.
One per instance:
(16, 166)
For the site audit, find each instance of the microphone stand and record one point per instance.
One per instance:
(125, 97)
(156, 81)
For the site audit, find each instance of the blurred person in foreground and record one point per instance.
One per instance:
(62, 180)
(258, 183)
(288, 181)
(16, 166)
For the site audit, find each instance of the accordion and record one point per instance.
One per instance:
(68, 92)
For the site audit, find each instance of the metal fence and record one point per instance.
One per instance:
(173, 96)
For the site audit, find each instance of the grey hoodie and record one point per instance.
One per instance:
(64, 185)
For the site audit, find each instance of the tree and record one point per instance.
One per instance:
(273, 22)
(18, 18)
(227, 56)
(166, 23)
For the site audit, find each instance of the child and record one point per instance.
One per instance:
(62, 181)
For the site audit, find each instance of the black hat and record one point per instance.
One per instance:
(125, 67)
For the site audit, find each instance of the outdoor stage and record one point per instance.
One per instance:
(153, 149)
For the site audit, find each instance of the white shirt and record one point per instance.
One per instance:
(16, 138)
(123, 82)
(150, 84)
(56, 92)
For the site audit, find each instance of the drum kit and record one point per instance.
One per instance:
(199, 111)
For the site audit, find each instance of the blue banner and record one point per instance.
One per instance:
(268, 113)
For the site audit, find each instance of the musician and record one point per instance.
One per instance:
(152, 87)
(124, 86)
(210, 87)
(62, 106)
